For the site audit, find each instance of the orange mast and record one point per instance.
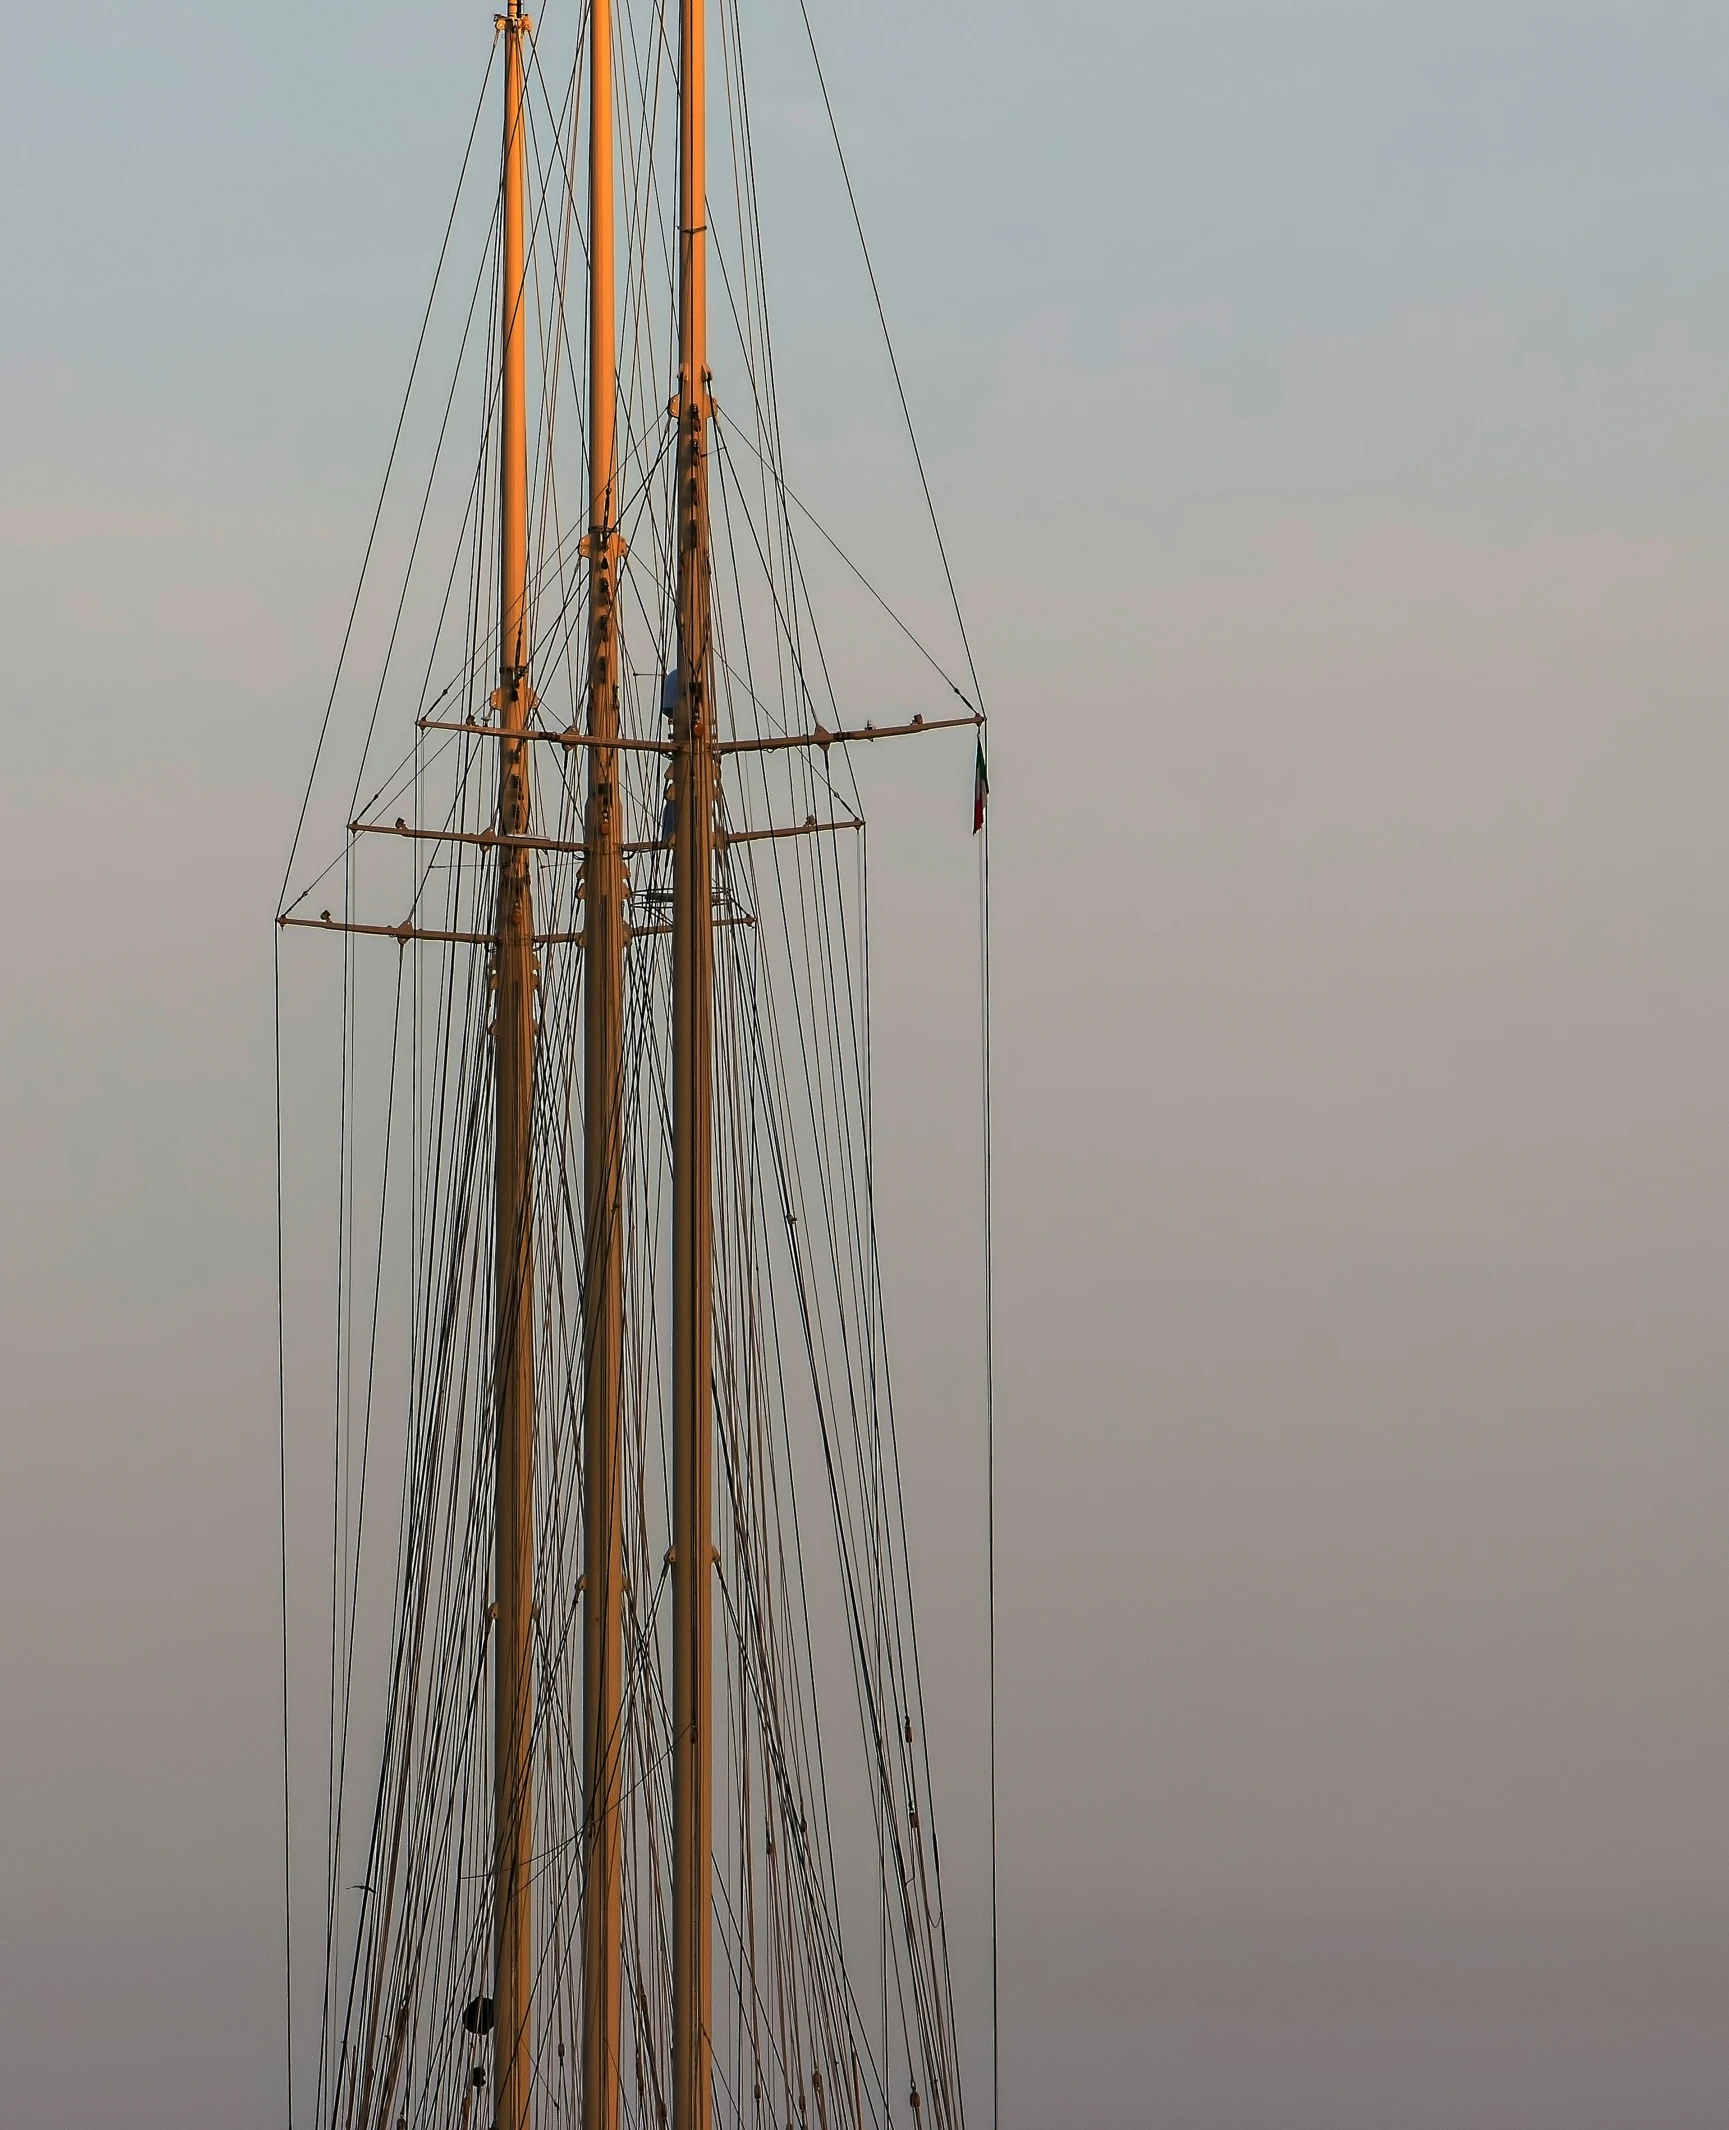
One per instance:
(603, 1149)
(513, 1051)
(693, 774)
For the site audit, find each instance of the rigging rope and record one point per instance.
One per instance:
(990, 1435)
(282, 1535)
(888, 345)
(383, 490)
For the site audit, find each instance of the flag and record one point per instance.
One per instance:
(981, 788)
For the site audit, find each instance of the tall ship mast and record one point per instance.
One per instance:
(627, 1798)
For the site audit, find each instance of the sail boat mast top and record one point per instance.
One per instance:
(603, 1153)
(693, 780)
(513, 1067)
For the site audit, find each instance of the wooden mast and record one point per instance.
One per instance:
(603, 1149)
(693, 772)
(513, 1025)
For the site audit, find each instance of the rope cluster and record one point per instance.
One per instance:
(831, 1940)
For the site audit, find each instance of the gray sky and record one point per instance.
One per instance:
(1326, 407)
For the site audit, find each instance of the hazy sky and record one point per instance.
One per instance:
(1327, 407)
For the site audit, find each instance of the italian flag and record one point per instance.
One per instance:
(981, 788)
